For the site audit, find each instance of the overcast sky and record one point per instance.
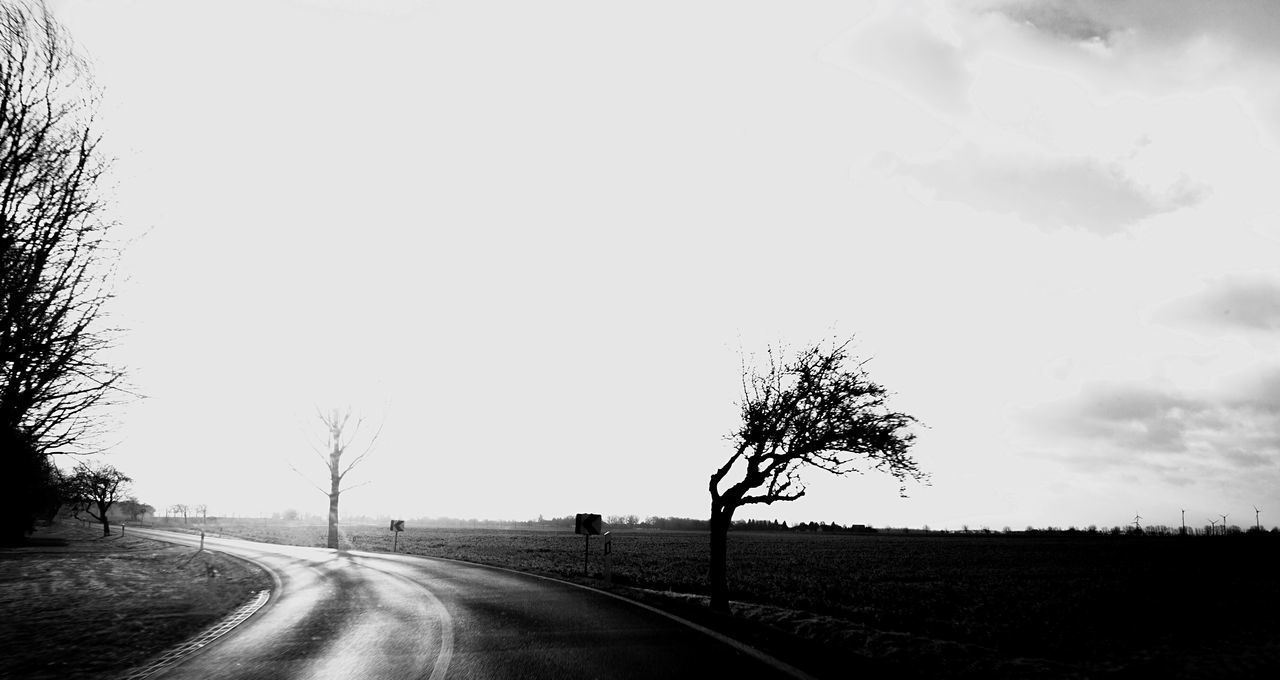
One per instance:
(534, 238)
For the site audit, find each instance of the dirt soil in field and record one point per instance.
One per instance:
(79, 605)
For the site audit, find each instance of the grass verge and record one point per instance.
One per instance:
(79, 605)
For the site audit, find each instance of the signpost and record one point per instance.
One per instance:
(587, 525)
(397, 525)
(608, 551)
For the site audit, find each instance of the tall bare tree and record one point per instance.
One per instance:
(342, 429)
(94, 488)
(815, 410)
(55, 257)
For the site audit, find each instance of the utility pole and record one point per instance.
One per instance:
(1184, 521)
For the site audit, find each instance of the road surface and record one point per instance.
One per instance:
(351, 614)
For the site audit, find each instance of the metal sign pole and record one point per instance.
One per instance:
(608, 568)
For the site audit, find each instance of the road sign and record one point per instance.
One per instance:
(397, 525)
(588, 524)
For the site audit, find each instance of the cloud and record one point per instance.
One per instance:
(1246, 25)
(1158, 429)
(1021, 86)
(1156, 47)
(1129, 416)
(1052, 192)
(1062, 20)
(1246, 303)
(907, 47)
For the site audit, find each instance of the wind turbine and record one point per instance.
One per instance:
(1256, 515)
(1184, 521)
(1136, 519)
(1224, 525)
(1213, 526)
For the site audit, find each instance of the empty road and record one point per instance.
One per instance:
(351, 614)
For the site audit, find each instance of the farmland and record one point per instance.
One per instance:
(1095, 602)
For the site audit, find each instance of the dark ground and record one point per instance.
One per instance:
(77, 605)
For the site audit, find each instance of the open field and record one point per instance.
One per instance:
(1098, 603)
(78, 605)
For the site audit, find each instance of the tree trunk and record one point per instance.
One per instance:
(333, 516)
(720, 520)
(102, 517)
(335, 480)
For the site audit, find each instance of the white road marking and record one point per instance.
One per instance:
(445, 654)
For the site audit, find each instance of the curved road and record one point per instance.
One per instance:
(350, 614)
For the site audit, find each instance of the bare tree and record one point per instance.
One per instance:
(55, 257)
(180, 509)
(817, 409)
(203, 511)
(94, 488)
(342, 429)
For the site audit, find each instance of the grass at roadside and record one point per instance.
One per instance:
(78, 605)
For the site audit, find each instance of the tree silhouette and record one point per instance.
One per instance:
(93, 489)
(134, 509)
(54, 258)
(341, 431)
(817, 409)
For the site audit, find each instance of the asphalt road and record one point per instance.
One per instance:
(351, 614)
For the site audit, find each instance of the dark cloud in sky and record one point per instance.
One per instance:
(1136, 417)
(1251, 24)
(1064, 20)
(1158, 429)
(1055, 193)
(1237, 302)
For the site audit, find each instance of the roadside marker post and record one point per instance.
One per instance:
(608, 552)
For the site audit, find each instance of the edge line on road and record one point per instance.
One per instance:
(737, 645)
(444, 655)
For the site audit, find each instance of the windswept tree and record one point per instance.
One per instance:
(55, 259)
(342, 430)
(816, 410)
(94, 488)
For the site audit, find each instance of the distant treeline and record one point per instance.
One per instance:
(614, 522)
(634, 522)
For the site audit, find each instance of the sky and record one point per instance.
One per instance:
(532, 243)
